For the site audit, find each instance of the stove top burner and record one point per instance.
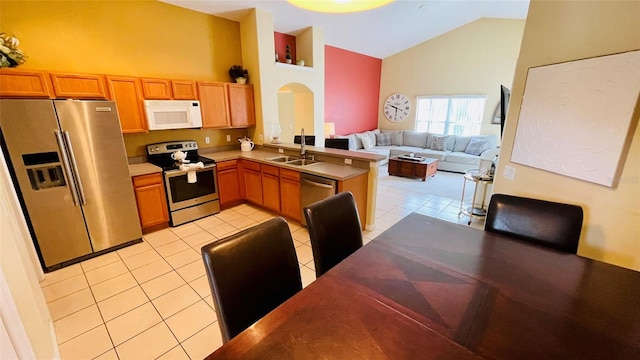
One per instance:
(160, 154)
(174, 165)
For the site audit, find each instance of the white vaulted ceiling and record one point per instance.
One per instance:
(380, 32)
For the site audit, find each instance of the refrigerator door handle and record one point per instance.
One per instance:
(83, 198)
(67, 168)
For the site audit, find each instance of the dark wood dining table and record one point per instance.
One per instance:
(430, 289)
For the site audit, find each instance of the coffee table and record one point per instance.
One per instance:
(414, 169)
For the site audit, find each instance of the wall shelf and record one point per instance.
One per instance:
(285, 65)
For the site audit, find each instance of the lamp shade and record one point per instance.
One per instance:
(329, 130)
(338, 6)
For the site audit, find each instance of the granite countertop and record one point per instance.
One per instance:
(325, 169)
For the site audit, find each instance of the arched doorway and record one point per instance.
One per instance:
(295, 111)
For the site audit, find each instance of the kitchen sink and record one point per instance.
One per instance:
(282, 159)
(301, 162)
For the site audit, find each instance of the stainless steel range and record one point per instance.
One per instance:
(189, 179)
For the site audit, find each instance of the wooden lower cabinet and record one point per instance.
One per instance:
(270, 187)
(277, 189)
(290, 194)
(152, 201)
(358, 186)
(228, 183)
(252, 182)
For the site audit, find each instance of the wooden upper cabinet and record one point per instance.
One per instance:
(15, 83)
(184, 90)
(213, 104)
(126, 91)
(156, 89)
(79, 86)
(241, 105)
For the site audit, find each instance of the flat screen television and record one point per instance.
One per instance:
(505, 94)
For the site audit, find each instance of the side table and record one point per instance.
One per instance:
(475, 209)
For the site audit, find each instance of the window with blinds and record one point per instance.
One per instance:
(450, 115)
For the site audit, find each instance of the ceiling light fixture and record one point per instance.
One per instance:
(339, 6)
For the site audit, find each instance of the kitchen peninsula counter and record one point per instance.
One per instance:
(322, 168)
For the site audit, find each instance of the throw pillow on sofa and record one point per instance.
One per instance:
(383, 139)
(372, 135)
(439, 143)
(396, 136)
(475, 146)
(367, 144)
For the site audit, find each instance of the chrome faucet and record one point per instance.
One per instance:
(303, 150)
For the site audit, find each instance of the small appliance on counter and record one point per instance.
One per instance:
(246, 144)
(189, 179)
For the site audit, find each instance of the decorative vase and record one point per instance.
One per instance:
(241, 80)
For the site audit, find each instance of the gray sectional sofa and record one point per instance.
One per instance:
(454, 152)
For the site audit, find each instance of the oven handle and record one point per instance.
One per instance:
(174, 173)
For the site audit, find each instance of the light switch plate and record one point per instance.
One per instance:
(509, 172)
(228, 138)
(207, 140)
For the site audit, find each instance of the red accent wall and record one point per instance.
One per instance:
(352, 90)
(281, 41)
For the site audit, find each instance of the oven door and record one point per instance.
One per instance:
(182, 194)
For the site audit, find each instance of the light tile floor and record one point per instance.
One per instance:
(152, 300)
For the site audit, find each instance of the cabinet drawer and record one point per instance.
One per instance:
(145, 180)
(290, 174)
(271, 170)
(251, 165)
(225, 165)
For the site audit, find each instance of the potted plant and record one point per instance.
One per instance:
(239, 74)
(288, 56)
(10, 55)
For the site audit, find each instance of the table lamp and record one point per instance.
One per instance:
(329, 130)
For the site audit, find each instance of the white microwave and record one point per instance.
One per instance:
(173, 114)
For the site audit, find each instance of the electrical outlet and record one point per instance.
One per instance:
(207, 140)
(281, 151)
(260, 138)
(347, 161)
(509, 172)
(228, 138)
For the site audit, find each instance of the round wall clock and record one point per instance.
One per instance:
(397, 107)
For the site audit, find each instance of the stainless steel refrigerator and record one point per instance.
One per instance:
(70, 165)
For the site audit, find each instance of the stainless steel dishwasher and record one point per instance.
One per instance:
(315, 188)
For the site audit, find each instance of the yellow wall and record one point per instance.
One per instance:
(138, 38)
(473, 59)
(559, 31)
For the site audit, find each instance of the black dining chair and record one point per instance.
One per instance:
(334, 229)
(552, 224)
(251, 273)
